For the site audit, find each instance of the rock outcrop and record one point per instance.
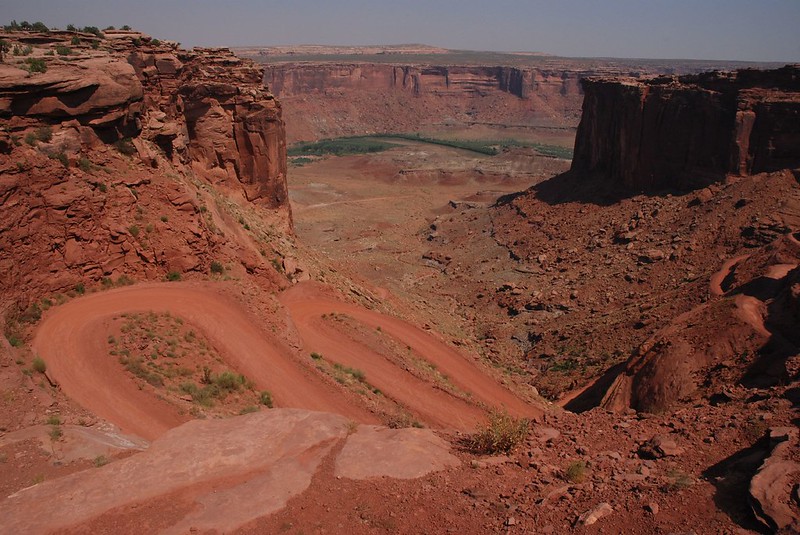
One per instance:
(689, 131)
(205, 107)
(104, 147)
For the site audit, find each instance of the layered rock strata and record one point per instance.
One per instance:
(691, 130)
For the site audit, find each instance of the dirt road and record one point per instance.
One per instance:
(72, 341)
(307, 302)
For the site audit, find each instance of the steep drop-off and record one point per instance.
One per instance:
(690, 130)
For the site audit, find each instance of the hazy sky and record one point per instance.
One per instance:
(758, 30)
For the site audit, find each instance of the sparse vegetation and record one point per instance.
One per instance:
(56, 433)
(100, 460)
(266, 398)
(53, 419)
(61, 156)
(501, 434)
(174, 276)
(35, 65)
(63, 50)
(679, 480)
(39, 364)
(575, 472)
(134, 230)
(125, 146)
(217, 267)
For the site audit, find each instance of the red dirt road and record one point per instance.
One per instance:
(307, 302)
(72, 340)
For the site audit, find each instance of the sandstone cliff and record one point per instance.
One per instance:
(114, 161)
(691, 130)
(330, 99)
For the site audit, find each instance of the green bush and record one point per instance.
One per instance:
(39, 364)
(63, 50)
(75, 40)
(61, 157)
(134, 230)
(85, 164)
(173, 276)
(501, 434)
(216, 267)
(266, 398)
(31, 139)
(44, 134)
(36, 65)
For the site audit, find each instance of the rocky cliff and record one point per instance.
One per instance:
(690, 130)
(115, 154)
(330, 99)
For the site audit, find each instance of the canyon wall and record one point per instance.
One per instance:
(114, 160)
(330, 99)
(691, 130)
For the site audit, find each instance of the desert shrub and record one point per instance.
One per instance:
(126, 28)
(249, 409)
(575, 472)
(155, 42)
(75, 41)
(32, 314)
(125, 146)
(61, 156)
(216, 267)
(63, 50)
(134, 230)
(84, 164)
(164, 218)
(56, 433)
(501, 434)
(30, 139)
(95, 45)
(54, 419)
(93, 30)
(107, 28)
(316, 356)
(44, 134)
(100, 460)
(266, 398)
(39, 364)
(229, 381)
(80, 288)
(174, 276)
(678, 480)
(35, 65)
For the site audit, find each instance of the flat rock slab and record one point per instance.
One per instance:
(235, 470)
(78, 442)
(398, 453)
(231, 471)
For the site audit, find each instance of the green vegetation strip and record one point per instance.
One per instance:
(375, 143)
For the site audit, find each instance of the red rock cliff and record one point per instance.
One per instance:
(106, 159)
(691, 130)
(332, 99)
